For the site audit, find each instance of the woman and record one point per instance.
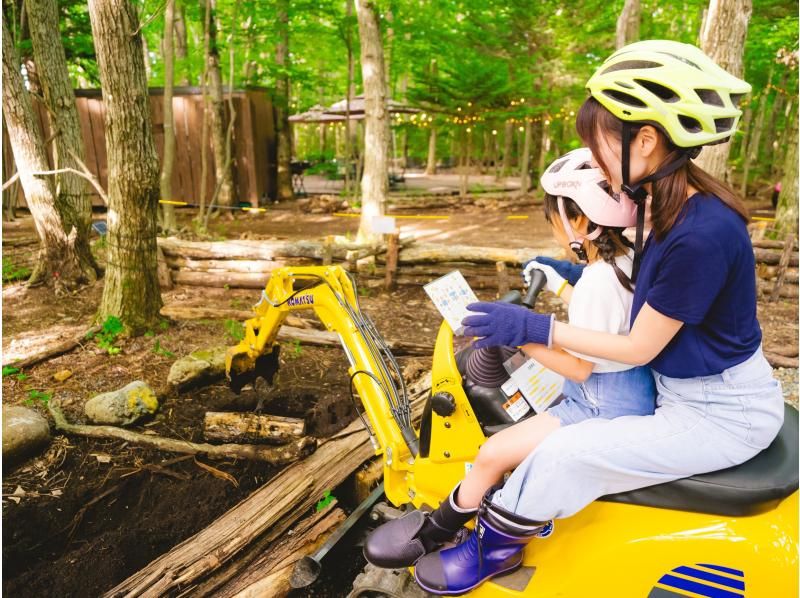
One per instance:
(653, 105)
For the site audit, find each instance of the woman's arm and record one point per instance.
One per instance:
(566, 294)
(651, 332)
(561, 362)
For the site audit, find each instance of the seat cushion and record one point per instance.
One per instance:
(752, 487)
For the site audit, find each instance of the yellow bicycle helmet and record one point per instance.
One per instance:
(674, 86)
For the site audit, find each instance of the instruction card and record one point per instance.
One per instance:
(451, 294)
(536, 383)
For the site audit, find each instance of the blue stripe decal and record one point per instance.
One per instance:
(723, 569)
(697, 588)
(706, 576)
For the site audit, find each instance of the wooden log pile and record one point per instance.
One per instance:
(777, 268)
(248, 263)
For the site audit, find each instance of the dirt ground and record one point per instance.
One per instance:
(88, 513)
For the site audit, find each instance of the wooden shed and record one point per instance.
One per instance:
(254, 143)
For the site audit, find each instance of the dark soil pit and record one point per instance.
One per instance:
(93, 512)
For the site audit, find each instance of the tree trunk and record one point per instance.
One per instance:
(430, 168)
(374, 181)
(349, 185)
(786, 214)
(222, 167)
(628, 23)
(754, 139)
(72, 199)
(168, 211)
(200, 218)
(282, 131)
(146, 58)
(131, 290)
(722, 39)
(524, 169)
(508, 138)
(58, 264)
(543, 147)
(180, 45)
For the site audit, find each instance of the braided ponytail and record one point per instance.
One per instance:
(609, 245)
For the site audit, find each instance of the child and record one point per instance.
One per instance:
(587, 220)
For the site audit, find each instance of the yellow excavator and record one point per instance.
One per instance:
(726, 534)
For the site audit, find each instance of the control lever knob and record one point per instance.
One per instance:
(443, 404)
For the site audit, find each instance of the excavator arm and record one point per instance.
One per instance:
(374, 374)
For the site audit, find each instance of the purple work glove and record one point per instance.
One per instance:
(564, 268)
(505, 324)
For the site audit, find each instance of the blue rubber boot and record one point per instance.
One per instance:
(495, 546)
(401, 542)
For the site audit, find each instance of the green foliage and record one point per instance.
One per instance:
(467, 64)
(107, 335)
(9, 371)
(235, 330)
(327, 498)
(295, 349)
(36, 395)
(12, 272)
(159, 350)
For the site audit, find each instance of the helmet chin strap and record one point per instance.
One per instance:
(638, 193)
(576, 240)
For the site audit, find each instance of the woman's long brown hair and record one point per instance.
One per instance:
(670, 192)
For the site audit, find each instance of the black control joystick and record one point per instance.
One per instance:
(538, 280)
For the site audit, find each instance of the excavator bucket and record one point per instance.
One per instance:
(242, 369)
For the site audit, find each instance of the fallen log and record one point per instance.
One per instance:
(786, 292)
(772, 258)
(270, 510)
(274, 455)
(268, 575)
(262, 250)
(181, 312)
(241, 265)
(767, 244)
(431, 252)
(323, 338)
(31, 349)
(251, 428)
(788, 351)
(780, 361)
(221, 278)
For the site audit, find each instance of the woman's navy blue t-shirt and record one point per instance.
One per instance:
(703, 274)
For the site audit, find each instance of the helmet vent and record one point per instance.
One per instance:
(723, 124)
(663, 92)
(736, 98)
(631, 65)
(682, 59)
(692, 125)
(710, 97)
(624, 98)
(557, 166)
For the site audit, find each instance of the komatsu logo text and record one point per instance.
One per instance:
(302, 300)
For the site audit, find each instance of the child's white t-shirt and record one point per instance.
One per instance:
(600, 302)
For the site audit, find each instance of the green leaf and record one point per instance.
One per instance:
(327, 498)
(8, 370)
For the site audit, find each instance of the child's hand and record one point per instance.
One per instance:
(503, 324)
(572, 272)
(555, 282)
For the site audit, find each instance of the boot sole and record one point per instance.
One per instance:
(465, 590)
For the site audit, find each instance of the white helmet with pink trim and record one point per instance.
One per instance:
(572, 175)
